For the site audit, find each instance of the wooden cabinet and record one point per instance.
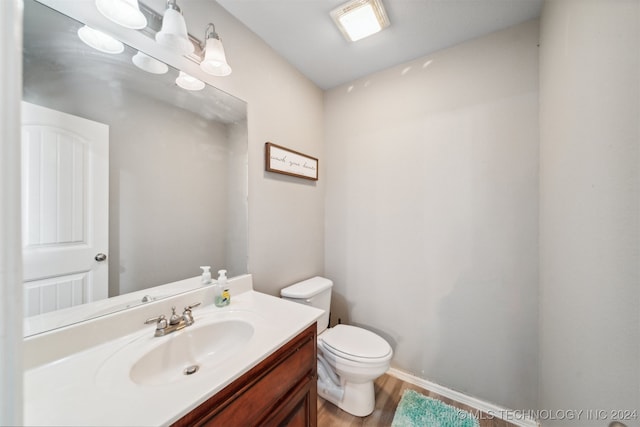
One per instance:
(279, 391)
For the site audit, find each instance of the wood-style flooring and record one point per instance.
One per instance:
(389, 390)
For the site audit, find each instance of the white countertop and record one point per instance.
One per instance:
(92, 386)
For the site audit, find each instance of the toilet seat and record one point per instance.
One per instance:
(355, 344)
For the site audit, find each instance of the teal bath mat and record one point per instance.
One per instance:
(416, 410)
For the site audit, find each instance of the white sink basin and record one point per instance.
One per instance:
(190, 354)
(187, 352)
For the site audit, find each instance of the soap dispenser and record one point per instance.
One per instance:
(222, 296)
(206, 274)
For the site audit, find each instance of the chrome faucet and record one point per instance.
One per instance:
(175, 322)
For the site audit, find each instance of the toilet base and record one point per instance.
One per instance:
(359, 398)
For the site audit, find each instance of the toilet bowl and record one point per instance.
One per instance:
(350, 358)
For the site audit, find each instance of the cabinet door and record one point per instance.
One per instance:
(300, 409)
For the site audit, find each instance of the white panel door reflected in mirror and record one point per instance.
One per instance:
(65, 209)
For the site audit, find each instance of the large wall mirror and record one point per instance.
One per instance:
(177, 174)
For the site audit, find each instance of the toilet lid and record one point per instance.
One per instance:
(346, 341)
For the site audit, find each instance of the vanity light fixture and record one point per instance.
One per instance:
(214, 61)
(123, 12)
(174, 30)
(149, 64)
(358, 19)
(100, 41)
(185, 81)
(171, 30)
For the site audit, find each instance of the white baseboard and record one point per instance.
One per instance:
(515, 417)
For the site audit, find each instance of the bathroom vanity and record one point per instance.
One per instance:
(250, 363)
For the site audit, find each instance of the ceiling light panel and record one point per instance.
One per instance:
(360, 18)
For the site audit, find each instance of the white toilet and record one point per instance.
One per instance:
(349, 358)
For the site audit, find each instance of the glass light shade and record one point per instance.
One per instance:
(215, 61)
(185, 81)
(173, 33)
(123, 12)
(149, 64)
(100, 41)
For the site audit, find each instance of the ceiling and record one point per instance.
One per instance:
(304, 34)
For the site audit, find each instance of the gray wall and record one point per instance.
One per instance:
(589, 207)
(432, 213)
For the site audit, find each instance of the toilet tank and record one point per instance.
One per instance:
(315, 292)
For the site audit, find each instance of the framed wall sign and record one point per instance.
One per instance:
(288, 162)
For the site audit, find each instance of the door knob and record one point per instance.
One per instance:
(100, 257)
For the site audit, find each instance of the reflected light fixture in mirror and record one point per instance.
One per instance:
(185, 81)
(149, 64)
(214, 61)
(123, 12)
(173, 33)
(100, 41)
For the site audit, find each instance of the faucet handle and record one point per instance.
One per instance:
(189, 307)
(187, 315)
(161, 321)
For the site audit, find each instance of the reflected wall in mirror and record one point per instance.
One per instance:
(177, 159)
